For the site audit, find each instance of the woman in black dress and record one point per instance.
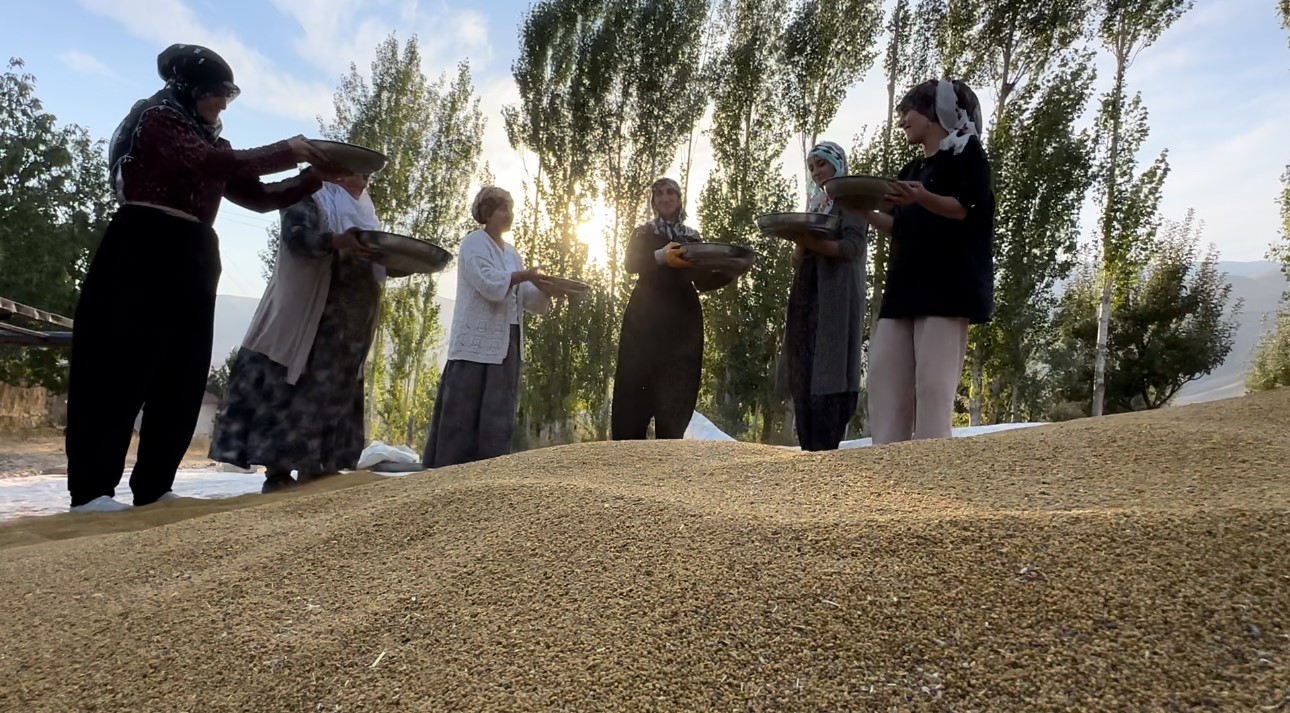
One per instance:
(660, 353)
(940, 273)
(146, 314)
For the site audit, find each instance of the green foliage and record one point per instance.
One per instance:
(556, 114)
(54, 206)
(1043, 169)
(1280, 251)
(608, 91)
(1174, 324)
(1270, 368)
(907, 59)
(217, 380)
(828, 46)
(745, 322)
(1125, 28)
(1132, 199)
(269, 253)
(432, 133)
(641, 79)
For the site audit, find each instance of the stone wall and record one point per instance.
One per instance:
(24, 408)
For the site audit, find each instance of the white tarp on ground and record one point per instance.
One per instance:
(47, 494)
(378, 452)
(701, 429)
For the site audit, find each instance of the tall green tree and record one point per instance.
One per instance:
(1013, 46)
(1126, 27)
(828, 46)
(1270, 368)
(54, 207)
(639, 83)
(1174, 324)
(432, 132)
(745, 322)
(907, 59)
(1043, 170)
(553, 120)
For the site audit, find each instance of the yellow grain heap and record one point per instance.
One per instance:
(1139, 562)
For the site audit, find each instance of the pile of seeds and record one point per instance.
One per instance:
(1138, 562)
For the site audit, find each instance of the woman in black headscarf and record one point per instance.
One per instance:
(660, 352)
(144, 321)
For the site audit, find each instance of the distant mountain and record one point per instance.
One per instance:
(233, 316)
(1259, 283)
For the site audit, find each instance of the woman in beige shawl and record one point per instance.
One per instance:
(295, 395)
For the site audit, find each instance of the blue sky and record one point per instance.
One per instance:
(1216, 86)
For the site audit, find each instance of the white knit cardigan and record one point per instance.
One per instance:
(487, 305)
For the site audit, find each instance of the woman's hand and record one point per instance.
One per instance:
(305, 152)
(533, 274)
(676, 257)
(348, 242)
(907, 192)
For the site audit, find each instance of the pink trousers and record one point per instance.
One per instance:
(915, 366)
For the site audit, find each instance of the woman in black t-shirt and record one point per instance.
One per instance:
(940, 273)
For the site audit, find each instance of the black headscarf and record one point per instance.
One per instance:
(191, 72)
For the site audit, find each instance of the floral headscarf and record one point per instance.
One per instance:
(819, 201)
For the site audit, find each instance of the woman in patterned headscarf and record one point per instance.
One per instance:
(157, 268)
(660, 352)
(940, 272)
(824, 328)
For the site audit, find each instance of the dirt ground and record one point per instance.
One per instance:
(42, 454)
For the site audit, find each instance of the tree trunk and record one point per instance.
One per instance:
(878, 275)
(974, 403)
(1005, 88)
(1108, 227)
(376, 352)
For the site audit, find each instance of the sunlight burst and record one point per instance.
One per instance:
(591, 231)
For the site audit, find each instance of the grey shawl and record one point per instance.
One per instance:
(840, 301)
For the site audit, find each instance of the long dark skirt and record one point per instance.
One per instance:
(474, 413)
(660, 363)
(315, 426)
(821, 419)
(142, 338)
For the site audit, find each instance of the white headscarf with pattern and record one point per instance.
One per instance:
(962, 124)
(819, 202)
(342, 211)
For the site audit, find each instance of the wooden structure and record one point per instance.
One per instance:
(39, 334)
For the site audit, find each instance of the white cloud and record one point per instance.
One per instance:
(86, 64)
(336, 33)
(264, 87)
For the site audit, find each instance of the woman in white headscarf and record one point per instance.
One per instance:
(940, 271)
(295, 395)
(824, 328)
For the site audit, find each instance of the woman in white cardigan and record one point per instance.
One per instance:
(474, 413)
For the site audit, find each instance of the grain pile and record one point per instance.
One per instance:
(1130, 563)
